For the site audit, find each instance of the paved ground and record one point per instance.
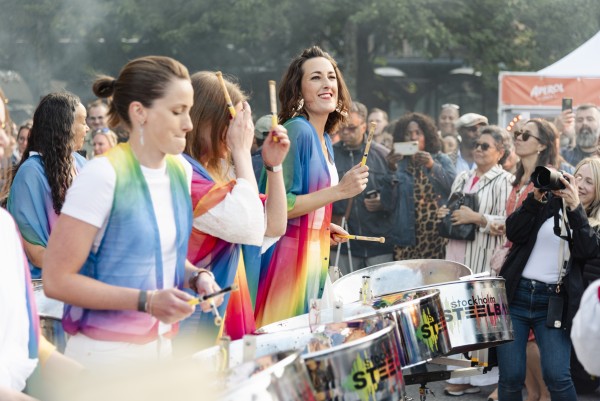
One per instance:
(438, 389)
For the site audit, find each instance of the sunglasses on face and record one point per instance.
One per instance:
(526, 136)
(484, 146)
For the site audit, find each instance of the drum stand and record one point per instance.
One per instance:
(423, 378)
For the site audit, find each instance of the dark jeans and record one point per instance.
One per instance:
(528, 309)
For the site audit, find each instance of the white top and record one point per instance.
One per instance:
(585, 332)
(543, 261)
(90, 199)
(15, 365)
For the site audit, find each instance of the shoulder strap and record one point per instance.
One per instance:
(489, 182)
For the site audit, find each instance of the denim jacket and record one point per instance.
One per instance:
(397, 194)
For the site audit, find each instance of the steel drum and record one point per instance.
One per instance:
(389, 278)
(476, 310)
(276, 377)
(419, 317)
(50, 312)
(350, 361)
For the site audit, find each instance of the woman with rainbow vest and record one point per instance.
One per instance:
(228, 212)
(117, 255)
(314, 101)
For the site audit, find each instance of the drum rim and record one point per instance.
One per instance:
(390, 327)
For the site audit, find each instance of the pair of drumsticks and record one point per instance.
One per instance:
(272, 97)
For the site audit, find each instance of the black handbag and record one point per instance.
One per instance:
(465, 232)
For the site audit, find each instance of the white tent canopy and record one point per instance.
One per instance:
(581, 62)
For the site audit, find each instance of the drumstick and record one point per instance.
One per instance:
(273, 99)
(361, 238)
(215, 312)
(219, 75)
(196, 301)
(372, 127)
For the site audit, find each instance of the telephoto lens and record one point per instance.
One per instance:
(547, 179)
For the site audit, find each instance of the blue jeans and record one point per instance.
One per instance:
(528, 310)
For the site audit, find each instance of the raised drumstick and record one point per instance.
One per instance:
(273, 100)
(372, 127)
(196, 301)
(219, 75)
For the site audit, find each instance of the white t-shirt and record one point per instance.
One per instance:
(90, 199)
(542, 264)
(15, 365)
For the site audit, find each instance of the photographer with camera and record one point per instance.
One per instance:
(552, 238)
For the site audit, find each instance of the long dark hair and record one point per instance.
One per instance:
(547, 157)
(433, 143)
(52, 137)
(290, 90)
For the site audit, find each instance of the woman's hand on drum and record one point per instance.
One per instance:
(442, 212)
(353, 182)
(273, 153)
(170, 305)
(335, 232)
(570, 194)
(240, 133)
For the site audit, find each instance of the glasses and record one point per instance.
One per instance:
(484, 146)
(450, 106)
(526, 136)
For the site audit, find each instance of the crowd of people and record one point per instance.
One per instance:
(164, 190)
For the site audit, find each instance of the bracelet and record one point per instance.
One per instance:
(141, 306)
(149, 302)
(273, 169)
(195, 276)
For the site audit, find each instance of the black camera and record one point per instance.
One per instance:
(547, 179)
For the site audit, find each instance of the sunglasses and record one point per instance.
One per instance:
(450, 106)
(526, 136)
(484, 146)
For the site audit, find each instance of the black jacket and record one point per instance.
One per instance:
(521, 229)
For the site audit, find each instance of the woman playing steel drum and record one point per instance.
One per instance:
(117, 256)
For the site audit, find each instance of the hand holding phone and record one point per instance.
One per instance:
(567, 103)
(406, 148)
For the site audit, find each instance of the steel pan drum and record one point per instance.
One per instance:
(345, 361)
(389, 278)
(476, 310)
(277, 377)
(50, 312)
(419, 317)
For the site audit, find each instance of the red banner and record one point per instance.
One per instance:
(533, 90)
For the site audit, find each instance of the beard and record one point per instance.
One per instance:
(586, 138)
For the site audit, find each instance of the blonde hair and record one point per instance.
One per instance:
(111, 137)
(593, 210)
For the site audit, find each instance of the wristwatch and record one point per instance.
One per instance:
(273, 169)
(194, 278)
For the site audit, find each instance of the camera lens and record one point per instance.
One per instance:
(547, 179)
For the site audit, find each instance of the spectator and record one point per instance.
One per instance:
(103, 139)
(587, 130)
(379, 117)
(22, 138)
(419, 185)
(364, 213)
(531, 281)
(467, 126)
(46, 171)
(449, 113)
(492, 185)
(261, 131)
(96, 119)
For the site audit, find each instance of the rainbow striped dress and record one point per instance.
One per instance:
(227, 262)
(296, 266)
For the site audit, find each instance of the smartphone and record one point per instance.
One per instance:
(567, 103)
(372, 194)
(406, 148)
